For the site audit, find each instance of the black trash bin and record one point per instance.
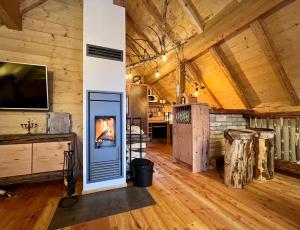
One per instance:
(142, 170)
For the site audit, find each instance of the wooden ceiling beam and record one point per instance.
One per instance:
(140, 33)
(231, 19)
(27, 5)
(267, 48)
(196, 74)
(119, 3)
(180, 82)
(10, 14)
(158, 93)
(132, 47)
(158, 18)
(193, 14)
(220, 58)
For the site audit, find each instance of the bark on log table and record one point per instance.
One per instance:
(239, 157)
(264, 153)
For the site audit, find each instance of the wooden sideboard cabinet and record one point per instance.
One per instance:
(33, 157)
(191, 135)
(15, 160)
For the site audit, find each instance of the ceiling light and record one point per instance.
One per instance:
(157, 74)
(197, 91)
(164, 57)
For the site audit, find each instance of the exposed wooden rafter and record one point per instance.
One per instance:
(229, 20)
(266, 46)
(132, 46)
(193, 14)
(231, 77)
(119, 2)
(27, 5)
(154, 12)
(10, 14)
(140, 33)
(162, 77)
(11, 11)
(196, 74)
(157, 92)
(180, 81)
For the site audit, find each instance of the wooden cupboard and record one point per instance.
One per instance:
(191, 135)
(27, 156)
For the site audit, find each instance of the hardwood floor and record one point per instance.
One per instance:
(184, 201)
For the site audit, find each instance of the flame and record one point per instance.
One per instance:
(105, 128)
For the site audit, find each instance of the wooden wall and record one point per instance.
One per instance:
(51, 35)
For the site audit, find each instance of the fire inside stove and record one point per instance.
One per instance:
(105, 131)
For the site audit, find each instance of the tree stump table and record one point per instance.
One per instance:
(239, 157)
(264, 154)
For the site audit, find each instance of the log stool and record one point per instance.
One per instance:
(264, 154)
(239, 157)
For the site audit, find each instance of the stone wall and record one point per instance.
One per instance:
(218, 124)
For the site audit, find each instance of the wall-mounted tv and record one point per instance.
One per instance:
(23, 86)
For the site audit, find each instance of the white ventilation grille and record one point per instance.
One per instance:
(104, 52)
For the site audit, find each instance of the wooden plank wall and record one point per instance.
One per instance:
(51, 35)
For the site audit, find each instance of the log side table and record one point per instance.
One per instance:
(239, 157)
(264, 154)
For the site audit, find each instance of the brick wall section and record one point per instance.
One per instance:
(218, 124)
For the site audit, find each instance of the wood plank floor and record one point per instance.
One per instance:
(184, 201)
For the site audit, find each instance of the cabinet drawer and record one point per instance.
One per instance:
(15, 160)
(48, 156)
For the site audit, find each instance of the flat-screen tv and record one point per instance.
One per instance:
(23, 86)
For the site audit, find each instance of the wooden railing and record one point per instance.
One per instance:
(287, 141)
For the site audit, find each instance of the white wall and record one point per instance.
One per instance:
(103, 25)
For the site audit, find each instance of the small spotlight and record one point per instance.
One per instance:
(164, 57)
(157, 74)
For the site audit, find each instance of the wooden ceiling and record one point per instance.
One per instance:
(246, 52)
(11, 11)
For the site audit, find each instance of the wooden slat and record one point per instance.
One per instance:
(231, 77)
(196, 73)
(270, 53)
(10, 14)
(231, 19)
(286, 140)
(193, 14)
(293, 140)
(298, 139)
(278, 140)
(27, 5)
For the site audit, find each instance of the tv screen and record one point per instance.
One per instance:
(23, 86)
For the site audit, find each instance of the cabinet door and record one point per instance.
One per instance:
(15, 160)
(182, 143)
(48, 156)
